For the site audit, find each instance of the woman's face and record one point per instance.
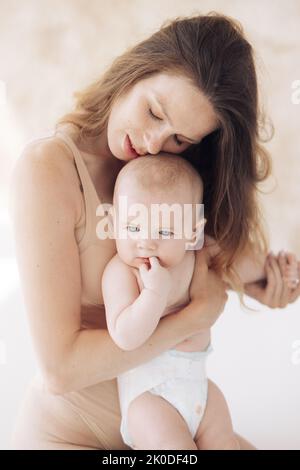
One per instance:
(163, 113)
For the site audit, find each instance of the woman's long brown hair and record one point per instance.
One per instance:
(213, 52)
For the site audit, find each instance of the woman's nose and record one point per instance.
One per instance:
(153, 143)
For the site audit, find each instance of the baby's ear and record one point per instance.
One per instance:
(197, 240)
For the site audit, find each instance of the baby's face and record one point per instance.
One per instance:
(155, 224)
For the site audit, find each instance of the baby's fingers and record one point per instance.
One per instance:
(154, 263)
(143, 269)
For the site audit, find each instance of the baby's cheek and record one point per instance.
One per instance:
(171, 258)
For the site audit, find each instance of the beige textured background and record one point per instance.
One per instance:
(48, 49)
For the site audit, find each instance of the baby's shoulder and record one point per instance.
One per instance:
(116, 264)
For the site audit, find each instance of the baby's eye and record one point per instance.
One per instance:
(165, 233)
(132, 228)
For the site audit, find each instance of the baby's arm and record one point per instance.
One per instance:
(132, 316)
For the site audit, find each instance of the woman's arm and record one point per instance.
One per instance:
(44, 212)
(277, 291)
(250, 268)
(94, 357)
(268, 278)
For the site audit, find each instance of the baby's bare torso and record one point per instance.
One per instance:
(181, 277)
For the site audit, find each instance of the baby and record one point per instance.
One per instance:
(162, 401)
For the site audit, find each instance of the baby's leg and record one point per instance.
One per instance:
(153, 424)
(215, 431)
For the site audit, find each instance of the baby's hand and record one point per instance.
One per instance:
(156, 278)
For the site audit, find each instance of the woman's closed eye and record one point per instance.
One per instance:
(154, 116)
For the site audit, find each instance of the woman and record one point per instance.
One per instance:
(189, 89)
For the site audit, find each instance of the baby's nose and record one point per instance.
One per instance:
(147, 243)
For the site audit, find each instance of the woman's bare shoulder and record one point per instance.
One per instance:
(49, 153)
(47, 163)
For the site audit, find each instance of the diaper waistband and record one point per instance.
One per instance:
(169, 364)
(193, 355)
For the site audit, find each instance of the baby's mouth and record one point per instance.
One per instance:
(144, 260)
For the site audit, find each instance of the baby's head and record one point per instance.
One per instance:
(157, 202)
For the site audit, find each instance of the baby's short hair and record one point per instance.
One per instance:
(163, 172)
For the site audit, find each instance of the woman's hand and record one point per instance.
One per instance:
(282, 284)
(208, 291)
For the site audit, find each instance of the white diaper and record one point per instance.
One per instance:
(177, 376)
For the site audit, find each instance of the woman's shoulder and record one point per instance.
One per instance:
(47, 165)
(46, 151)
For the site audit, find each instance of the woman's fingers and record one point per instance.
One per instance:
(278, 292)
(291, 271)
(263, 293)
(271, 290)
(295, 293)
(285, 292)
(291, 276)
(291, 258)
(279, 284)
(255, 290)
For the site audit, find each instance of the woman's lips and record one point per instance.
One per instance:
(128, 148)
